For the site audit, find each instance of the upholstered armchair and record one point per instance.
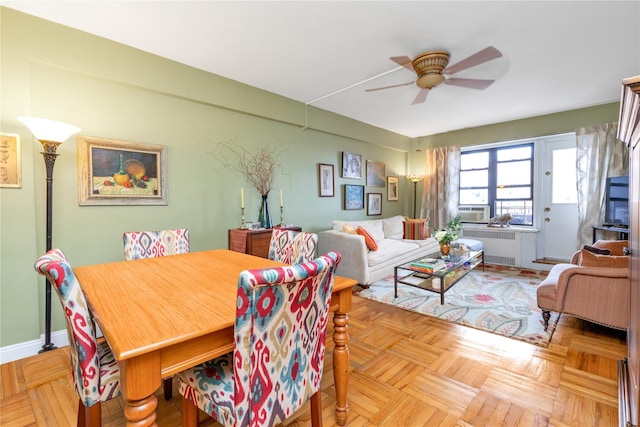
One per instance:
(277, 363)
(152, 244)
(292, 247)
(593, 287)
(96, 376)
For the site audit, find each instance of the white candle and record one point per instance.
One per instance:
(281, 205)
(242, 198)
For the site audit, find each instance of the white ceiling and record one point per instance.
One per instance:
(557, 55)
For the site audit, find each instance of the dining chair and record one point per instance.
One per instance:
(152, 244)
(96, 376)
(292, 247)
(277, 362)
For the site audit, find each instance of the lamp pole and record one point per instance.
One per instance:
(415, 179)
(49, 155)
(50, 134)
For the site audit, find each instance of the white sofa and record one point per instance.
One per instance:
(366, 266)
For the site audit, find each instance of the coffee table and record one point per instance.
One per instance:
(440, 281)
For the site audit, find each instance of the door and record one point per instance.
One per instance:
(559, 226)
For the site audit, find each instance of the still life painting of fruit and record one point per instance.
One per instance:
(122, 172)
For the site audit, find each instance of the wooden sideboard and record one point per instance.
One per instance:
(253, 242)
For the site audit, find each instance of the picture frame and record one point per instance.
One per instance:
(393, 188)
(114, 172)
(10, 161)
(325, 180)
(351, 165)
(374, 203)
(375, 174)
(353, 197)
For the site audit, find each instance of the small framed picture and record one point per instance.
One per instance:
(351, 165)
(353, 196)
(392, 188)
(325, 179)
(10, 163)
(374, 203)
(375, 174)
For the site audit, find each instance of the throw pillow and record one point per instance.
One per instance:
(598, 251)
(415, 229)
(349, 229)
(615, 246)
(589, 259)
(368, 240)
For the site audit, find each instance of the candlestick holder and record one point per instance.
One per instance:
(243, 225)
(281, 216)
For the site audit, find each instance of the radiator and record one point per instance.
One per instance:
(501, 246)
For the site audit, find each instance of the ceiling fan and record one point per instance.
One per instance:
(431, 68)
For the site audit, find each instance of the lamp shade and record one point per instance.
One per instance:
(49, 130)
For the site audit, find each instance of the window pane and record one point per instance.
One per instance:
(514, 173)
(513, 193)
(474, 197)
(563, 177)
(506, 154)
(521, 211)
(474, 160)
(474, 179)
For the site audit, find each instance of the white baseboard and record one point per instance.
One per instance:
(30, 348)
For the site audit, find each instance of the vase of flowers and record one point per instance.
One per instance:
(448, 234)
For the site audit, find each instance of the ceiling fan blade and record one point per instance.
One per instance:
(470, 83)
(421, 96)
(390, 87)
(486, 54)
(405, 61)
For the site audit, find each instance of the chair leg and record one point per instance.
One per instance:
(546, 315)
(168, 388)
(316, 409)
(89, 416)
(190, 413)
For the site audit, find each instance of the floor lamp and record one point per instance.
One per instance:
(415, 179)
(50, 134)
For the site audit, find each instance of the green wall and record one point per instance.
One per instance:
(116, 92)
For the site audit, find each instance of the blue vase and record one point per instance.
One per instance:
(265, 215)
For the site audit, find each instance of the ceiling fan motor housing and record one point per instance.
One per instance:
(429, 67)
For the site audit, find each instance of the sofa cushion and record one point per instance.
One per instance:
(368, 239)
(349, 229)
(615, 246)
(393, 227)
(589, 259)
(390, 249)
(415, 229)
(374, 227)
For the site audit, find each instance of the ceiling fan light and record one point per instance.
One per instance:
(428, 81)
(429, 67)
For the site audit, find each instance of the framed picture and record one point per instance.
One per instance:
(325, 179)
(374, 203)
(392, 188)
(375, 174)
(353, 196)
(112, 172)
(351, 165)
(10, 163)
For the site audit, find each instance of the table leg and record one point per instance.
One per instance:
(341, 364)
(139, 379)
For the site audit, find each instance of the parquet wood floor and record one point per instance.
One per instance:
(406, 370)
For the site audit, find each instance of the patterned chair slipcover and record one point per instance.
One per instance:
(292, 247)
(152, 244)
(277, 362)
(96, 375)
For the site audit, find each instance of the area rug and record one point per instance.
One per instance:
(500, 300)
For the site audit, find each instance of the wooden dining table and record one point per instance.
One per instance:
(163, 315)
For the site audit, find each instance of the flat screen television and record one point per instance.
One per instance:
(617, 208)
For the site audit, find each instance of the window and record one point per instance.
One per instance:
(500, 177)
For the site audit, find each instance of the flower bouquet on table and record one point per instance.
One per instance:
(450, 233)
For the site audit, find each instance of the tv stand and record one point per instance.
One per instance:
(623, 232)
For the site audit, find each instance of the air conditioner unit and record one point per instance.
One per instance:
(474, 213)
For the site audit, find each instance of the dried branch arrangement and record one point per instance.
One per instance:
(258, 168)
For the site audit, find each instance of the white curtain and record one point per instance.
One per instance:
(440, 197)
(599, 155)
